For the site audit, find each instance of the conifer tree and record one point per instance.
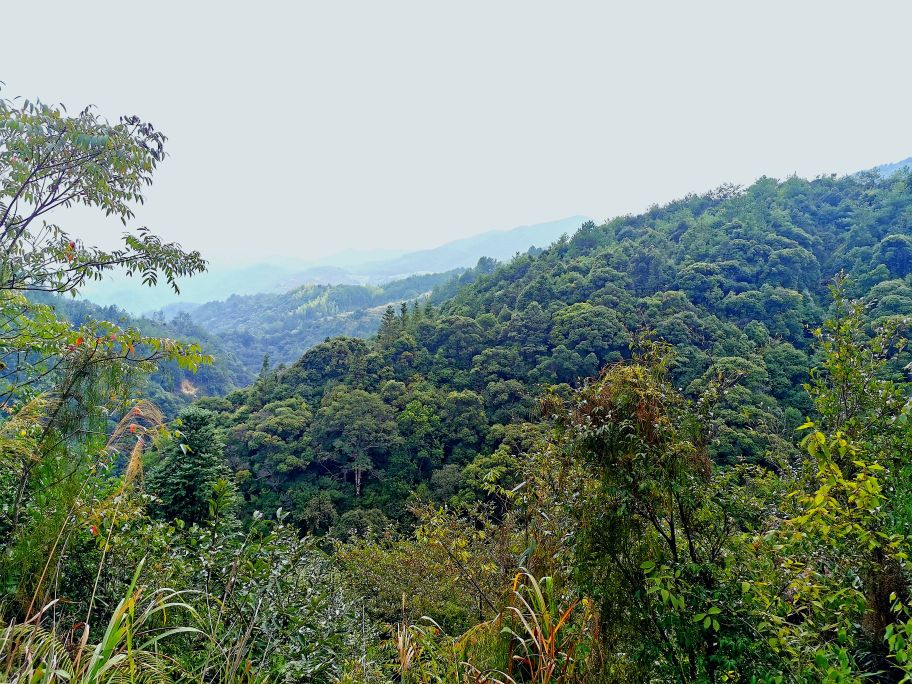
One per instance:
(388, 325)
(190, 466)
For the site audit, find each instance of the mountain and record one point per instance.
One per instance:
(733, 280)
(500, 245)
(496, 244)
(169, 387)
(303, 307)
(320, 275)
(352, 267)
(280, 311)
(217, 283)
(889, 169)
(284, 326)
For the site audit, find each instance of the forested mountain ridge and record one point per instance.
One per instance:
(670, 448)
(480, 511)
(499, 245)
(170, 387)
(733, 279)
(245, 332)
(282, 326)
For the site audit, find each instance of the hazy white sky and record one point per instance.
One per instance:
(304, 128)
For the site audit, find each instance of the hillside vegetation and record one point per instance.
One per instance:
(735, 280)
(169, 386)
(244, 334)
(284, 326)
(670, 448)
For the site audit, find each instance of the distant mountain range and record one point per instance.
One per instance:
(889, 169)
(284, 325)
(281, 309)
(464, 253)
(347, 268)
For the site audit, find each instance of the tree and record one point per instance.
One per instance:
(702, 282)
(895, 251)
(389, 326)
(188, 468)
(794, 267)
(588, 329)
(528, 331)
(354, 428)
(833, 603)
(465, 420)
(459, 338)
(650, 548)
(79, 374)
(50, 160)
(422, 433)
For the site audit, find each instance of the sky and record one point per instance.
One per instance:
(301, 129)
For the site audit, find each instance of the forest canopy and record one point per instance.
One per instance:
(735, 280)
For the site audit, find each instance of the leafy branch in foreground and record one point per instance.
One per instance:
(49, 160)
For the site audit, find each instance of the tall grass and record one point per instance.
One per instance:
(546, 635)
(536, 639)
(128, 650)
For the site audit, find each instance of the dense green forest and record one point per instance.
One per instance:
(734, 280)
(670, 448)
(284, 326)
(243, 333)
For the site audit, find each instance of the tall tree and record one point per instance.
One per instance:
(651, 545)
(355, 429)
(389, 326)
(189, 466)
(50, 160)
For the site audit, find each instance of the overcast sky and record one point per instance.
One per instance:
(305, 128)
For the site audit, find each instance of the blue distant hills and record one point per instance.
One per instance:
(889, 169)
(347, 268)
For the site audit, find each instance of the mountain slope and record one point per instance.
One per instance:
(886, 170)
(170, 387)
(217, 283)
(284, 326)
(732, 279)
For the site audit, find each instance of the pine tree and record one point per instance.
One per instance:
(190, 466)
(389, 326)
